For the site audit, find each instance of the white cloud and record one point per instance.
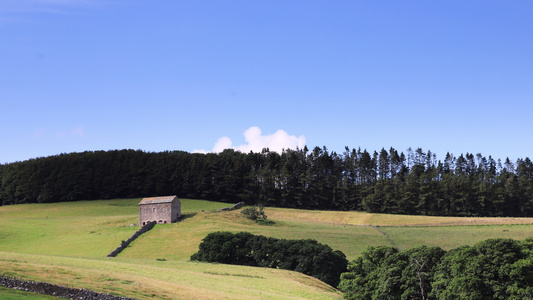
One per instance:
(222, 143)
(256, 142)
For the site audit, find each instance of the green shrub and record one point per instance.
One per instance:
(254, 213)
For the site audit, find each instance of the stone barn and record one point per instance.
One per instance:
(159, 209)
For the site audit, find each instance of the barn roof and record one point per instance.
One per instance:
(155, 200)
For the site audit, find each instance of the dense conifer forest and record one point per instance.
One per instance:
(387, 181)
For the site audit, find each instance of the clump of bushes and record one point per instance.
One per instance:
(254, 213)
(305, 256)
(257, 214)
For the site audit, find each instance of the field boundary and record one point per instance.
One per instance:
(126, 243)
(45, 288)
(387, 236)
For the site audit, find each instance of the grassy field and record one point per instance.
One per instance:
(448, 237)
(67, 244)
(364, 218)
(10, 294)
(149, 278)
(190, 232)
(83, 228)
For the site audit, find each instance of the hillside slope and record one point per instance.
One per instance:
(66, 244)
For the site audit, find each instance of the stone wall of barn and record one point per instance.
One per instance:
(176, 210)
(159, 212)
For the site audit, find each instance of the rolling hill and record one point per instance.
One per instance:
(67, 243)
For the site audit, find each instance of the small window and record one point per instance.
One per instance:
(154, 210)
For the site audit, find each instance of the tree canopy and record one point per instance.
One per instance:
(491, 269)
(305, 256)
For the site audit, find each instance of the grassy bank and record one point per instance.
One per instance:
(149, 278)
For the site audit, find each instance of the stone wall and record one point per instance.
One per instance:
(155, 212)
(236, 206)
(126, 243)
(176, 210)
(162, 210)
(56, 290)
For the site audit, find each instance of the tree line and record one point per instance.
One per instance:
(491, 269)
(385, 181)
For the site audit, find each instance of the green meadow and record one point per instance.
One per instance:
(67, 243)
(10, 294)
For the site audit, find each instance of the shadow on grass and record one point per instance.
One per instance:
(265, 222)
(186, 216)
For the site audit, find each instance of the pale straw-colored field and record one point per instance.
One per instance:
(364, 218)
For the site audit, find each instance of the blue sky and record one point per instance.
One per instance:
(446, 76)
